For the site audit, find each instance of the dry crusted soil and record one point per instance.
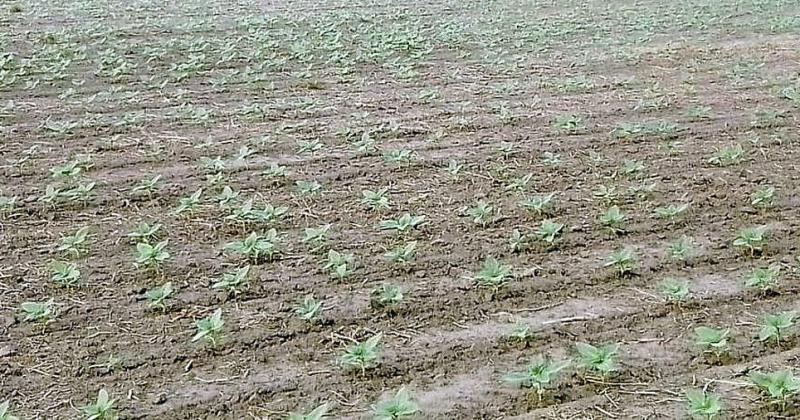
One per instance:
(446, 340)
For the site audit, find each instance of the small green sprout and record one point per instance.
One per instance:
(81, 193)
(404, 224)
(363, 355)
(37, 312)
(5, 413)
(275, 171)
(568, 124)
(675, 290)
(307, 188)
(602, 359)
(339, 265)
(317, 237)
(212, 165)
(7, 205)
(549, 231)
(778, 385)
(454, 168)
(399, 156)
(402, 254)
(189, 204)
(101, 409)
(65, 273)
(605, 194)
(309, 308)
(151, 257)
(672, 211)
(481, 213)
(375, 200)
(538, 375)
(232, 282)
(519, 184)
(256, 247)
(145, 232)
(76, 244)
(752, 238)
(682, 249)
(308, 147)
(763, 197)
(319, 413)
(538, 204)
(763, 278)
(400, 406)
(518, 241)
(52, 196)
(613, 219)
(387, 296)
(493, 274)
(632, 167)
(521, 332)
(226, 197)
(702, 405)
(157, 296)
(210, 328)
(712, 340)
(774, 326)
(727, 156)
(148, 186)
(623, 260)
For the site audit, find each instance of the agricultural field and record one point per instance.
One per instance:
(472, 209)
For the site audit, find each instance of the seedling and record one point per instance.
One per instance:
(538, 375)
(308, 147)
(682, 249)
(404, 224)
(52, 196)
(778, 386)
(672, 211)
(454, 168)
(727, 156)
(148, 186)
(76, 244)
(213, 165)
(339, 265)
(307, 188)
(774, 326)
(549, 231)
(5, 413)
(752, 238)
(363, 355)
(675, 290)
(388, 296)
(632, 168)
(399, 407)
(519, 184)
(763, 278)
(151, 256)
(144, 232)
(234, 281)
(712, 340)
(81, 193)
(402, 254)
(7, 205)
(569, 124)
(518, 242)
(65, 273)
(157, 296)
(101, 409)
(702, 405)
(602, 359)
(256, 247)
(493, 274)
(210, 328)
(613, 220)
(606, 194)
(226, 197)
(623, 260)
(481, 213)
(37, 312)
(375, 200)
(316, 237)
(189, 204)
(309, 309)
(319, 413)
(275, 171)
(538, 204)
(763, 197)
(551, 159)
(399, 156)
(521, 332)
